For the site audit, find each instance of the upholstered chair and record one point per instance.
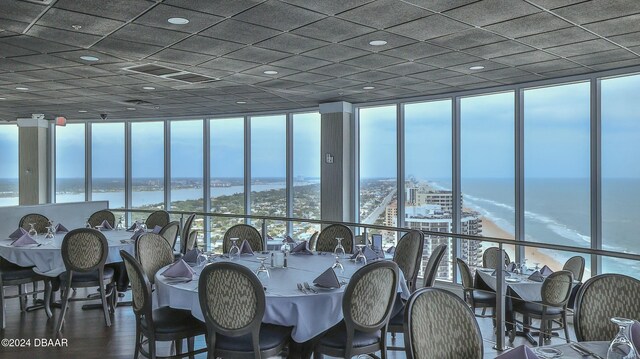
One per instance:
(327, 238)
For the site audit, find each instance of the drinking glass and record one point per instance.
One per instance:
(286, 247)
(49, 234)
(621, 346)
(337, 265)
(537, 266)
(234, 251)
(263, 272)
(339, 250)
(32, 230)
(202, 259)
(120, 225)
(360, 257)
(86, 223)
(143, 226)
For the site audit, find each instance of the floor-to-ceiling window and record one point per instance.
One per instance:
(8, 165)
(70, 163)
(147, 165)
(428, 201)
(108, 163)
(379, 169)
(306, 172)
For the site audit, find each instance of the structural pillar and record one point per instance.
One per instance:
(338, 172)
(33, 144)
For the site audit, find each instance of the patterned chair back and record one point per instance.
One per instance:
(603, 297)
(370, 295)
(490, 257)
(186, 230)
(232, 300)
(97, 218)
(170, 233)
(408, 256)
(157, 218)
(327, 238)
(153, 252)
(438, 324)
(40, 222)
(242, 231)
(431, 269)
(140, 287)
(191, 241)
(575, 265)
(465, 274)
(556, 288)
(313, 240)
(84, 250)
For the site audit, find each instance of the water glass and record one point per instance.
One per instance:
(120, 225)
(339, 250)
(337, 265)
(50, 234)
(621, 346)
(32, 230)
(263, 272)
(202, 259)
(234, 251)
(360, 257)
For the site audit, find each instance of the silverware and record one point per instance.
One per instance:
(580, 351)
(301, 288)
(308, 287)
(586, 351)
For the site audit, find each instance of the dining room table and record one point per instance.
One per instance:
(574, 350)
(309, 312)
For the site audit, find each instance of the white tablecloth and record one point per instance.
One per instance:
(526, 289)
(308, 314)
(47, 258)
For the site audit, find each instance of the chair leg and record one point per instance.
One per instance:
(105, 306)
(138, 341)
(152, 348)
(35, 290)
(543, 331)
(383, 347)
(47, 298)
(178, 346)
(63, 311)
(21, 297)
(190, 347)
(565, 326)
(2, 308)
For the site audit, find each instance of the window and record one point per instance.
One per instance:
(378, 169)
(147, 165)
(427, 184)
(306, 172)
(9, 165)
(487, 171)
(186, 166)
(268, 170)
(227, 174)
(107, 163)
(70, 170)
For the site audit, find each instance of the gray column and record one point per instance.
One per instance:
(32, 139)
(338, 172)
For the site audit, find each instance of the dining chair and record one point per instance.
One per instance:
(601, 298)
(170, 233)
(158, 218)
(13, 275)
(366, 307)
(490, 257)
(440, 325)
(327, 238)
(98, 217)
(232, 300)
(408, 256)
(153, 253)
(313, 240)
(186, 230)
(242, 231)
(555, 293)
(476, 298)
(84, 253)
(574, 265)
(40, 222)
(161, 324)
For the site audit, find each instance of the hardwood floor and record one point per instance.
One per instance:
(88, 337)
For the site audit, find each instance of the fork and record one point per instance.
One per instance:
(301, 288)
(308, 287)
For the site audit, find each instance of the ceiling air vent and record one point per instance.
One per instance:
(137, 102)
(169, 73)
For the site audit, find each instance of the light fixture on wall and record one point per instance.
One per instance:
(61, 121)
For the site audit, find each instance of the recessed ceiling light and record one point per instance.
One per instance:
(271, 72)
(22, 88)
(377, 42)
(2, 98)
(82, 111)
(368, 88)
(178, 20)
(76, 27)
(479, 67)
(241, 102)
(131, 108)
(156, 107)
(148, 88)
(89, 58)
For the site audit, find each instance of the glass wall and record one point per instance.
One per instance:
(147, 165)
(9, 165)
(428, 203)
(306, 172)
(108, 163)
(379, 169)
(186, 166)
(70, 163)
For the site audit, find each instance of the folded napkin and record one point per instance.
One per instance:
(521, 352)
(24, 240)
(179, 269)
(61, 229)
(18, 233)
(191, 256)
(545, 271)
(511, 267)
(138, 232)
(288, 239)
(327, 279)
(635, 334)
(505, 273)
(157, 229)
(536, 277)
(245, 248)
(391, 249)
(134, 227)
(302, 248)
(369, 253)
(106, 225)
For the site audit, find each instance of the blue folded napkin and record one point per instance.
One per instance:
(245, 248)
(546, 271)
(391, 249)
(18, 233)
(302, 248)
(61, 229)
(106, 225)
(288, 239)
(138, 232)
(521, 352)
(369, 253)
(24, 240)
(505, 273)
(179, 269)
(191, 256)
(536, 277)
(157, 229)
(134, 227)
(635, 334)
(511, 267)
(328, 279)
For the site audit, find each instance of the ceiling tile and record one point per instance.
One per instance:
(12, 27)
(462, 80)
(400, 81)
(259, 71)
(498, 49)
(407, 68)
(329, 7)
(466, 39)
(597, 10)
(525, 58)
(336, 53)
(617, 26)
(438, 74)
(617, 64)
(487, 12)
(465, 68)
(529, 25)
(371, 76)
(232, 30)
(158, 16)
(374, 61)
(581, 48)
(46, 61)
(11, 51)
(504, 73)
(393, 40)
(632, 39)
(21, 10)
(9, 65)
(226, 64)
(207, 45)
(557, 37)
(439, 5)
(338, 70)
(35, 44)
(126, 49)
(382, 14)
(256, 54)
(90, 24)
(66, 37)
(300, 63)
(49, 75)
(545, 66)
(245, 78)
(180, 57)
(218, 7)
(449, 59)
(589, 59)
(307, 77)
(75, 56)
(553, 4)
(124, 10)
(429, 27)
(333, 29)
(291, 43)
(278, 15)
(148, 35)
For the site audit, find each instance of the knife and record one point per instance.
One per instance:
(585, 351)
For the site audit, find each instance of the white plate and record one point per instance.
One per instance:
(547, 353)
(512, 280)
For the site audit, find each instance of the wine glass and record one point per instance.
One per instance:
(286, 247)
(49, 234)
(523, 266)
(360, 257)
(32, 230)
(202, 259)
(86, 223)
(263, 272)
(339, 250)
(621, 346)
(537, 266)
(120, 225)
(143, 226)
(337, 264)
(234, 251)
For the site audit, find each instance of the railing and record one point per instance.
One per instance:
(500, 285)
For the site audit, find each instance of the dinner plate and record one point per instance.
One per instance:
(512, 280)
(547, 353)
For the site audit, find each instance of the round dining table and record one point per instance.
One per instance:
(309, 313)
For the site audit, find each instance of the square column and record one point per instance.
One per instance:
(32, 173)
